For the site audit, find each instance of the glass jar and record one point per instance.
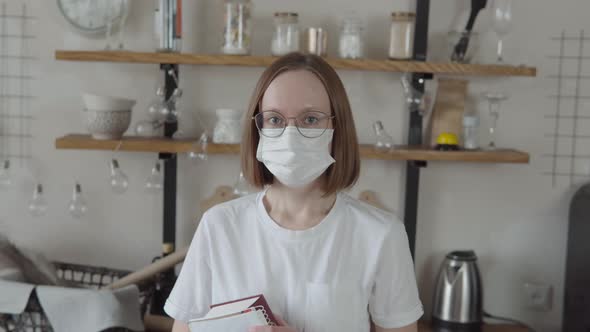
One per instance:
(228, 129)
(237, 27)
(316, 41)
(470, 131)
(401, 37)
(351, 39)
(286, 35)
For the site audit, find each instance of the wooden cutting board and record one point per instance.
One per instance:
(448, 110)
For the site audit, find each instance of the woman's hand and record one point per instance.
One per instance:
(282, 328)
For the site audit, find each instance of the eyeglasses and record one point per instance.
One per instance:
(310, 124)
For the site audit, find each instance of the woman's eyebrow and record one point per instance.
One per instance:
(270, 109)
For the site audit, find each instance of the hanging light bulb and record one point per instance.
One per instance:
(241, 187)
(384, 142)
(38, 204)
(200, 149)
(155, 181)
(5, 178)
(161, 91)
(119, 181)
(77, 206)
(158, 110)
(148, 128)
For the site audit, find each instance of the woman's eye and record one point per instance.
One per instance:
(311, 120)
(275, 120)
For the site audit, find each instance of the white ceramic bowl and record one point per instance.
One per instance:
(105, 103)
(105, 125)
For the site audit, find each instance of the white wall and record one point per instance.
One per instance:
(510, 214)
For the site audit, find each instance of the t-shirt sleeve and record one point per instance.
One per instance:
(394, 300)
(191, 296)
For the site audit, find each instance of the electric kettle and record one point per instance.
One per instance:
(457, 304)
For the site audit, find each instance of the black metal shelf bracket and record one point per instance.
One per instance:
(165, 280)
(415, 131)
(170, 169)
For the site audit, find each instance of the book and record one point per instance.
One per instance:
(237, 315)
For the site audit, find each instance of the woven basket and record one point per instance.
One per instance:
(33, 319)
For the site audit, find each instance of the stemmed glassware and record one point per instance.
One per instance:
(495, 100)
(502, 23)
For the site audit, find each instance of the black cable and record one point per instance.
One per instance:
(509, 320)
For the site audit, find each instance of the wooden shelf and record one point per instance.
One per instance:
(426, 154)
(263, 61)
(143, 144)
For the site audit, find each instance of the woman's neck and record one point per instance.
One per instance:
(298, 208)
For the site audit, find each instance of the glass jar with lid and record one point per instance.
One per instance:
(237, 27)
(401, 38)
(351, 44)
(286, 35)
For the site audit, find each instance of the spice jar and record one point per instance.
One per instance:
(401, 37)
(237, 27)
(351, 40)
(286, 35)
(316, 41)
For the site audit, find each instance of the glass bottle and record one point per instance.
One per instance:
(286, 35)
(470, 131)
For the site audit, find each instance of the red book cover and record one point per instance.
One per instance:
(260, 302)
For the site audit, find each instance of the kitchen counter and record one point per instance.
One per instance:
(425, 327)
(165, 325)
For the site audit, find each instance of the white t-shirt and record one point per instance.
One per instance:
(331, 277)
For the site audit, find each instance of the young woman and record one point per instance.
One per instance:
(323, 260)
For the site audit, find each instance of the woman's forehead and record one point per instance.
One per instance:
(295, 91)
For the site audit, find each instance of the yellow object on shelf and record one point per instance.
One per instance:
(447, 139)
(447, 142)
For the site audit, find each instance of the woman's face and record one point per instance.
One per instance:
(295, 92)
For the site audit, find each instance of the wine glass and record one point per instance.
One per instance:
(122, 23)
(109, 18)
(502, 23)
(495, 100)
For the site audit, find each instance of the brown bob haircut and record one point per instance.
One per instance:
(345, 171)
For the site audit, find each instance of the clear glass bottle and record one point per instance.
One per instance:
(401, 38)
(470, 131)
(237, 27)
(286, 35)
(351, 44)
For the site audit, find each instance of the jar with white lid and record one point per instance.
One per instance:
(401, 36)
(286, 35)
(228, 129)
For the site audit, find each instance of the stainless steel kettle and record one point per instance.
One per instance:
(458, 299)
